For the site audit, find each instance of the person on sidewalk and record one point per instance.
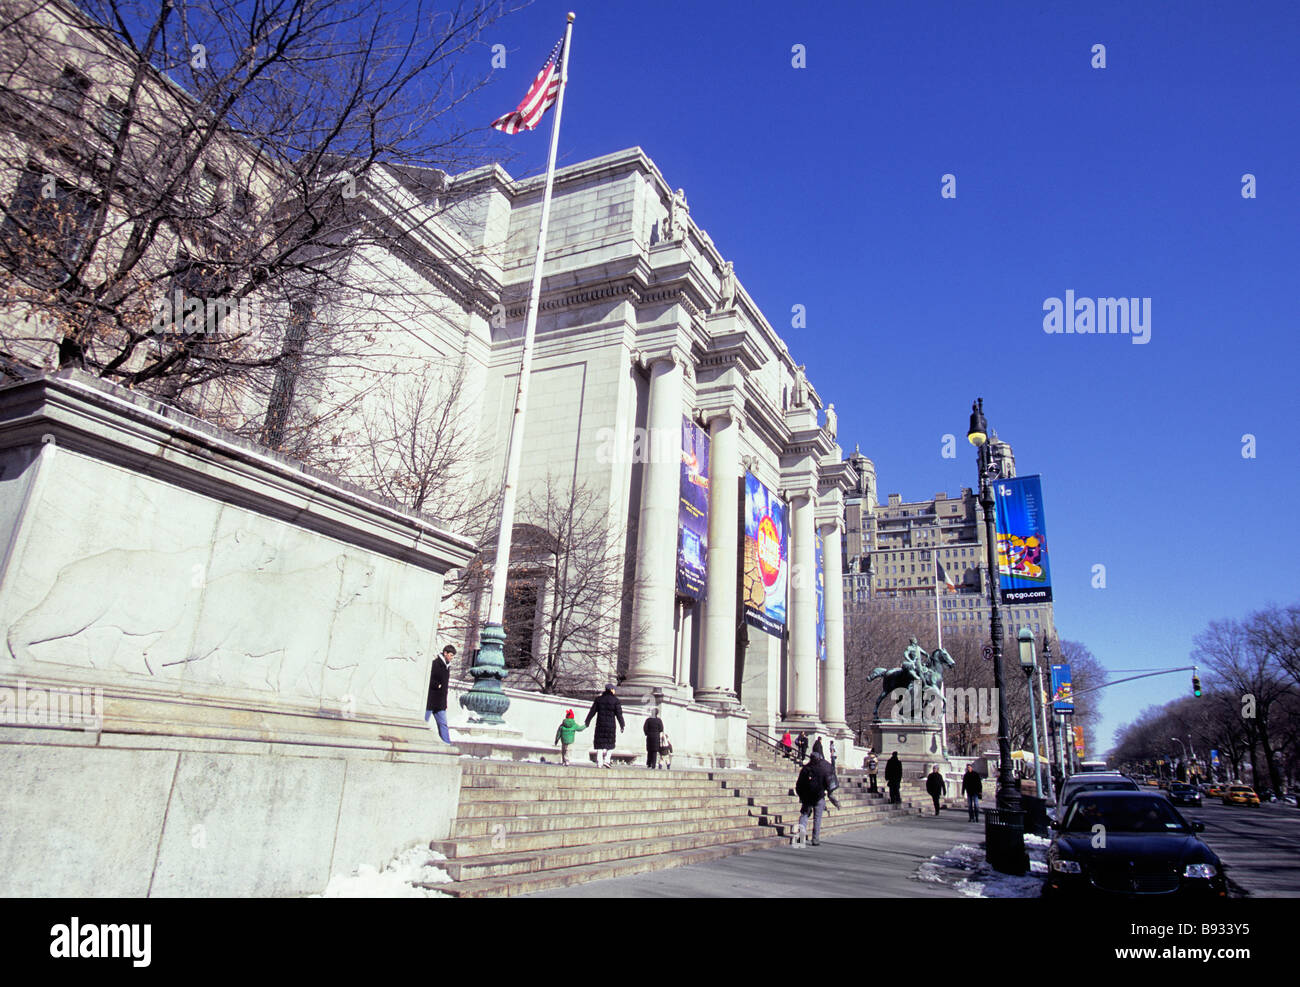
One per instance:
(894, 778)
(436, 705)
(608, 714)
(817, 747)
(870, 764)
(936, 786)
(972, 786)
(816, 783)
(832, 755)
(564, 736)
(802, 744)
(654, 728)
(665, 752)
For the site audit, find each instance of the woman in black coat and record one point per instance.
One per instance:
(607, 711)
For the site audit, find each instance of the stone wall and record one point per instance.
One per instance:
(250, 642)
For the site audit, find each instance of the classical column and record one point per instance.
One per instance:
(832, 707)
(801, 697)
(650, 662)
(717, 680)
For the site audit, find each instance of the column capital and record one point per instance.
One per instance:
(646, 359)
(829, 524)
(709, 415)
(793, 493)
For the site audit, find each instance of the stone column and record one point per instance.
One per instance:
(832, 697)
(717, 681)
(650, 661)
(801, 696)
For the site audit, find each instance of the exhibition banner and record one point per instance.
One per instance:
(766, 558)
(693, 513)
(821, 600)
(1062, 690)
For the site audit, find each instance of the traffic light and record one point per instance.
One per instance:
(1196, 686)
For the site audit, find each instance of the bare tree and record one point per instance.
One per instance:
(180, 155)
(566, 588)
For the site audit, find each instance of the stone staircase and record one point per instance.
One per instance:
(525, 827)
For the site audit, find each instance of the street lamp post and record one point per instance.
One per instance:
(1028, 664)
(1009, 855)
(1047, 661)
(1184, 750)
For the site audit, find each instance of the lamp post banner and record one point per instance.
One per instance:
(1023, 572)
(1062, 690)
(693, 513)
(767, 558)
(1078, 741)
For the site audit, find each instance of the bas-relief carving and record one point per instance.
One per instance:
(121, 608)
(228, 614)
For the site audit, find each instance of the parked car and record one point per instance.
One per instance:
(1240, 795)
(1150, 848)
(1215, 791)
(1181, 794)
(1090, 782)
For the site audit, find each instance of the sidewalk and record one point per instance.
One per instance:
(870, 863)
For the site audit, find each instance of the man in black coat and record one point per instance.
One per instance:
(816, 783)
(972, 786)
(608, 712)
(802, 744)
(654, 728)
(436, 705)
(936, 786)
(894, 777)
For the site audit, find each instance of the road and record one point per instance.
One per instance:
(1260, 848)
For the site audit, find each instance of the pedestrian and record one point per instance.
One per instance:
(802, 744)
(435, 706)
(816, 783)
(665, 752)
(972, 786)
(564, 736)
(870, 764)
(936, 786)
(833, 755)
(787, 746)
(818, 749)
(654, 728)
(608, 713)
(894, 778)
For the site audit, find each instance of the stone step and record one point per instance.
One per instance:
(600, 784)
(530, 861)
(577, 796)
(601, 815)
(585, 832)
(499, 769)
(497, 887)
(560, 808)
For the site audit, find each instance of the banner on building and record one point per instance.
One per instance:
(1214, 758)
(693, 513)
(1062, 690)
(1078, 741)
(821, 600)
(1023, 572)
(767, 560)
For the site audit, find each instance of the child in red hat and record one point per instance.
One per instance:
(564, 736)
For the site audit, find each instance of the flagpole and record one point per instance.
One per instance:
(487, 698)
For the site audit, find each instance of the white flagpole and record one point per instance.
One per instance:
(501, 563)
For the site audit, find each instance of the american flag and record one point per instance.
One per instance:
(541, 94)
(945, 578)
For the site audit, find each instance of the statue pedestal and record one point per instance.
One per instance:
(919, 745)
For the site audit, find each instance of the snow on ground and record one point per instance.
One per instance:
(397, 879)
(964, 868)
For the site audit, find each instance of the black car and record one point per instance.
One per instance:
(1181, 794)
(1132, 844)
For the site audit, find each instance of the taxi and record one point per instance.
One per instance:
(1241, 795)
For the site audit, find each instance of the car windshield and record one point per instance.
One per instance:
(1124, 815)
(1100, 786)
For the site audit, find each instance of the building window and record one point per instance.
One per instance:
(70, 91)
(46, 225)
(110, 122)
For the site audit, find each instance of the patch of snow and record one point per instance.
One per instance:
(398, 879)
(966, 870)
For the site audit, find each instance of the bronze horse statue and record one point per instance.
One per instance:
(930, 675)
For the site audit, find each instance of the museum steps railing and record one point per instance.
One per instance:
(525, 827)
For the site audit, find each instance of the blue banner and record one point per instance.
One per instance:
(693, 512)
(821, 601)
(1023, 572)
(1062, 690)
(767, 559)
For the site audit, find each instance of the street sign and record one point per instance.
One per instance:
(988, 652)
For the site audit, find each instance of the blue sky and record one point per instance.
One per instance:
(822, 184)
